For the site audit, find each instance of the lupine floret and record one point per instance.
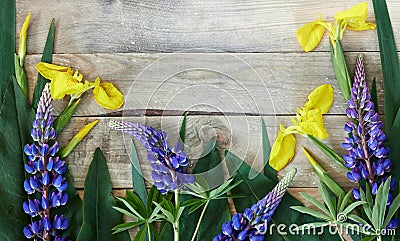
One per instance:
(167, 163)
(252, 224)
(367, 156)
(45, 181)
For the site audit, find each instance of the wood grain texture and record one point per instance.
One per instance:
(110, 26)
(267, 84)
(240, 135)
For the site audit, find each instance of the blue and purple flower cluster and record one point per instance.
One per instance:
(167, 164)
(367, 156)
(251, 225)
(45, 184)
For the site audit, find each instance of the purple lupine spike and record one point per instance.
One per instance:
(167, 163)
(43, 180)
(251, 225)
(366, 154)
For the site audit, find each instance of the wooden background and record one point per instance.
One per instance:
(227, 62)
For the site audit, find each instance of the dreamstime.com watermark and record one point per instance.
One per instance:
(332, 228)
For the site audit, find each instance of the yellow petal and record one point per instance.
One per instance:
(360, 26)
(310, 34)
(107, 96)
(355, 18)
(358, 12)
(77, 139)
(63, 80)
(282, 151)
(22, 39)
(310, 158)
(321, 98)
(313, 124)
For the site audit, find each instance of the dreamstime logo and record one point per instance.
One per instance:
(223, 94)
(332, 228)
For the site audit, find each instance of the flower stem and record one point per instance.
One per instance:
(365, 148)
(199, 222)
(176, 223)
(340, 234)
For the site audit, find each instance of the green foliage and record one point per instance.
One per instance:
(390, 62)
(268, 170)
(376, 211)
(98, 215)
(137, 177)
(340, 68)
(209, 209)
(329, 152)
(143, 216)
(65, 116)
(12, 173)
(334, 210)
(47, 57)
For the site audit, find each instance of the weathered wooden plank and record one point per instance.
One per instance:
(240, 135)
(100, 26)
(254, 84)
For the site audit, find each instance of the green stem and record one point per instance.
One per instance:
(148, 232)
(199, 222)
(176, 223)
(340, 234)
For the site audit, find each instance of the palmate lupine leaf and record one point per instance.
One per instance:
(217, 211)
(99, 217)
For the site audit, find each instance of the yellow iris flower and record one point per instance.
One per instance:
(308, 121)
(355, 18)
(64, 81)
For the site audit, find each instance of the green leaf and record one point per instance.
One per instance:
(390, 62)
(374, 95)
(393, 141)
(137, 177)
(7, 44)
(327, 198)
(166, 233)
(340, 68)
(98, 215)
(182, 131)
(125, 226)
(140, 236)
(268, 170)
(329, 152)
(315, 202)
(344, 201)
(12, 175)
(47, 57)
(311, 212)
(65, 116)
(352, 206)
(217, 211)
(392, 210)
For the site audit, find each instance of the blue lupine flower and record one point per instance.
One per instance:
(367, 156)
(167, 163)
(45, 180)
(251, 225)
